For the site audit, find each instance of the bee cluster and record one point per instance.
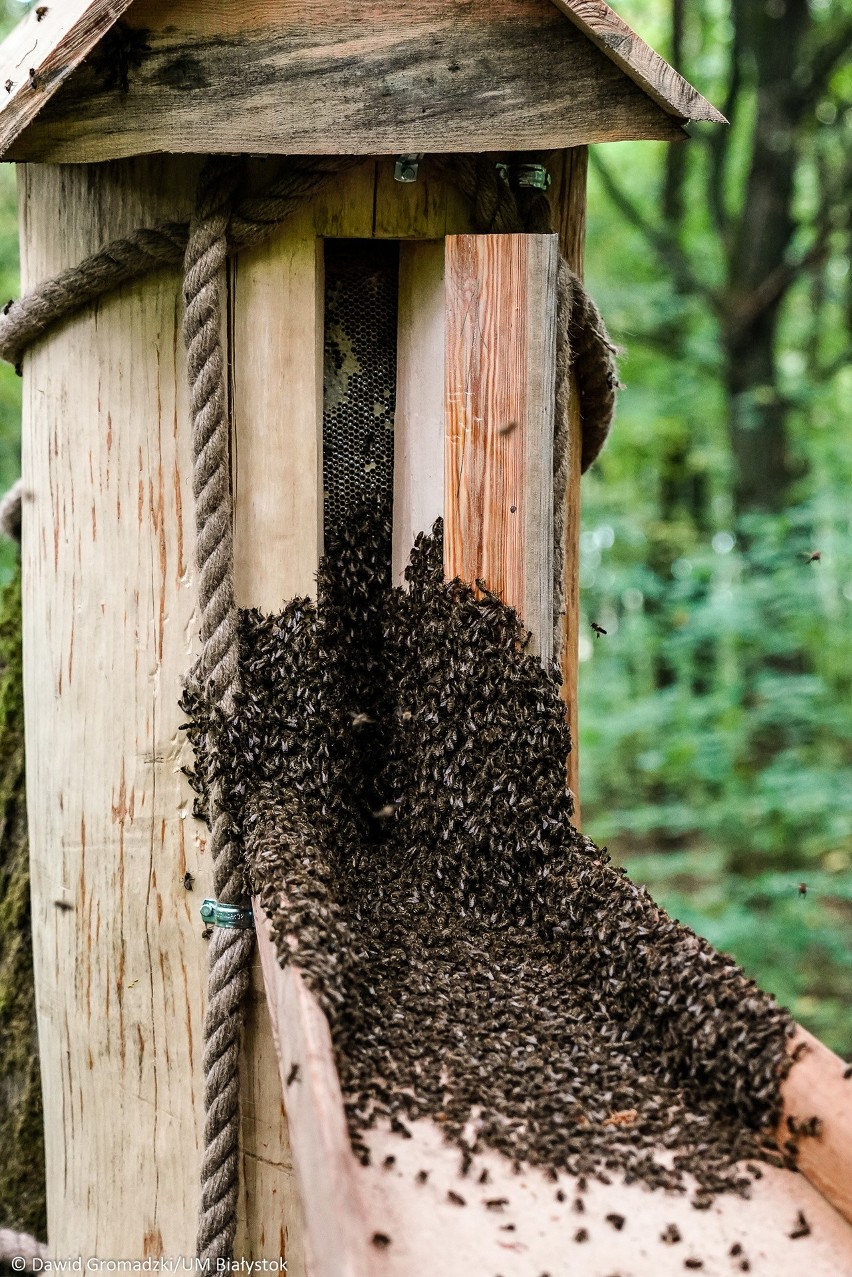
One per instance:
(396, 771)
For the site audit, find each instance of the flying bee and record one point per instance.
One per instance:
(598, 629)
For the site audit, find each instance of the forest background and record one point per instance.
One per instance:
(716, 711)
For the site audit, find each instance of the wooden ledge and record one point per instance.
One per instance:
(817, 1087)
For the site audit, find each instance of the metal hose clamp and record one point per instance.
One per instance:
(215, 914)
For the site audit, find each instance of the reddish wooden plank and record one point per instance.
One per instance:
(499, 392)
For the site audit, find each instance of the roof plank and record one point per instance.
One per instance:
(638, 60)
(41, 55)
(42, 51)
(344, 77)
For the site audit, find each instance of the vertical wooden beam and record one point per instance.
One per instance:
(276, 328)
(276, 321)
(418, 480)
(568, 201)
(500, 371)
(109, 631)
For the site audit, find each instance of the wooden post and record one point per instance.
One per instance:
(418, 497)
(500, 379)
(568, 199)
(109, 631)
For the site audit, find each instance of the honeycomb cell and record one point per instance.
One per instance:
(359, 384)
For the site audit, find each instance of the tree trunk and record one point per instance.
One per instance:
(22, 1190)
(772, 37)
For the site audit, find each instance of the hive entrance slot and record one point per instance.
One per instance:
(359, 381)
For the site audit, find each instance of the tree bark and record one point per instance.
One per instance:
(22, 1188)
(772, 37)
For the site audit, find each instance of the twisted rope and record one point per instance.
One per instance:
(10, 511)
(153, 248)
(20, 1246)
(230, 951)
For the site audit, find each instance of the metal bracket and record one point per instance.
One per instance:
(532, 175)
(214, 914)
(405, 169)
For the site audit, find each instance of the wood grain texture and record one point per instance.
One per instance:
(418, 489)
(817, 1086)
(568, 201)
(336, 1227)
(500, 371)
(346, 76)
(276, 318)
(42, 51)
(638, 60)
(109, 631)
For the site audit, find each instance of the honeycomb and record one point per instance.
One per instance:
(359, 379)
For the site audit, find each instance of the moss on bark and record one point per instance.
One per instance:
(22, 1187)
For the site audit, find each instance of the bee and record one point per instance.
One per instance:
(812, 556)
(361, 720)
(8, 86)
(381, 1240)
(802, 1228)
(455, 1198)
(188, 881)
(33, 79)
(803, 888)
(598, 629)
(40, 12)
(293, 1075)
(507, 428)
(617, 1221)
(581, 1235)
(64, 905)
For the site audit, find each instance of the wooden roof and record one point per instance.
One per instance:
(49, 44)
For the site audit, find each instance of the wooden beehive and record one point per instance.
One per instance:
(110, 107)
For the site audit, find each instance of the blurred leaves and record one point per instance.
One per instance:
(716, 732)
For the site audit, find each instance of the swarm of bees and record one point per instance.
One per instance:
(397, 761)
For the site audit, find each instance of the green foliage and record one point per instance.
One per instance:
(716, 735)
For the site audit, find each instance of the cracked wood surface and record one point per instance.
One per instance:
(340, 76)
(109, 631)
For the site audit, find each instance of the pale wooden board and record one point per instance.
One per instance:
(277, 365)
(336, 1226)
(620, 43)
(418, 496)
(109, 631)
(429, 1231)
(500, 377)
(347, 76)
